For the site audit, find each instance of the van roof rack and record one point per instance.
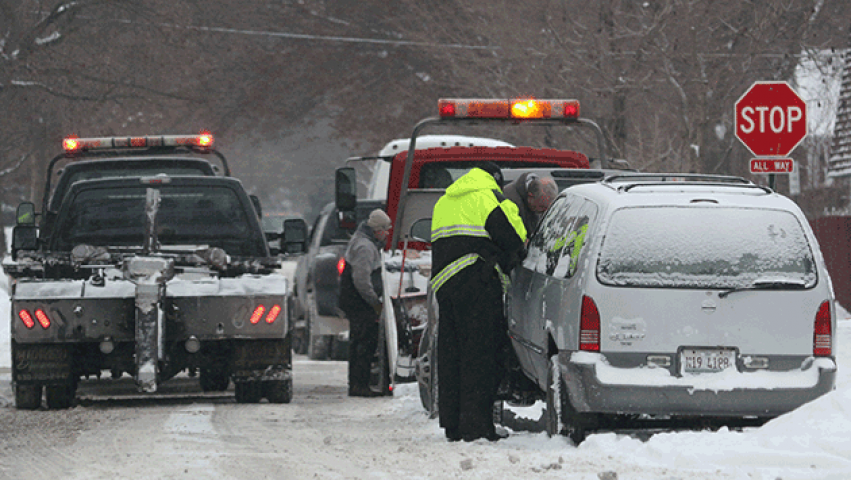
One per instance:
(630, 181)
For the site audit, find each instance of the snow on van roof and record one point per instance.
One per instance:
(434, 141)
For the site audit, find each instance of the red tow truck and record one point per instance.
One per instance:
(417, 179)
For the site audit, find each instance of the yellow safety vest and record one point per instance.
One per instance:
(463, 211)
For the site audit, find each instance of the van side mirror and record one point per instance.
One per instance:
(345, 189)
(294, 238)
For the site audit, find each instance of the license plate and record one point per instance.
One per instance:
(706, 360)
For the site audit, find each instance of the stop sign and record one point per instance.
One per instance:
(771, 119)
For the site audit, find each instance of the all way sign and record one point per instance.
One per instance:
(772, 165)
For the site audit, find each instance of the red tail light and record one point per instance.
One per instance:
(42, 318)
(589, 326)
(257, 315)
(273, 314)
(26, 318)
(341, 265)
(822, 335)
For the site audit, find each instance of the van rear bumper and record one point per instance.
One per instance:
(588, 393)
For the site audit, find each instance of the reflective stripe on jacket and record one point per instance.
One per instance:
(473, 221)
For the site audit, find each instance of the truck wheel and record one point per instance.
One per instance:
(339, 349)
(60, 396)
(248, 392)
(279, 391)
(213, 379)
(27, 397)
(318, 347)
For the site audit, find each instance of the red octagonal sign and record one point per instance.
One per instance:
(771, 119)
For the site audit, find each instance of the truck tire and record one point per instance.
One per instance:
(248, 392)
(27, 397)
(339, 349)
(213, 379)
(60, 397)
(318, 346)
(279, 391)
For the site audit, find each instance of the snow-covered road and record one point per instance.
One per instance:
(324, 434)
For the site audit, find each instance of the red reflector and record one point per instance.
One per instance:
(822, 335)
(446, 109)
(341, 266)
(26, 318)
(71, 144)
(138, 142)
(273, 314)
(42, 318)
(258, 314)
(589, 326)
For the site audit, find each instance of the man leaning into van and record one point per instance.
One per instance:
(477, 237)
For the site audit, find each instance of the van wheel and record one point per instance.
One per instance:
(561, 418)
(60, 396)
(27, 397)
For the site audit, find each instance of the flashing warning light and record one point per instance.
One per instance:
(257, 315)
(70, 144)
(205, 140)
(273, 314)
(42, 318)
(512, 109)
(73, 144)
(26, 318)
(341, 266)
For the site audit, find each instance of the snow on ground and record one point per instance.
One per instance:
(812, 443)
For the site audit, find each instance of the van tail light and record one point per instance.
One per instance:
(589, 326)
(257, 315)
(341, 266)
(822, 335)
(42, 318)
(25, 317)
(273, 314)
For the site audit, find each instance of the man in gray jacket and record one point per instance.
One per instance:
(533, 195)
(360, 298)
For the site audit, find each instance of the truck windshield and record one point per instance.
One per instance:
(187, 216)
(704, 248)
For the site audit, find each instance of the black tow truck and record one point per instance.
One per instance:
(150, 275)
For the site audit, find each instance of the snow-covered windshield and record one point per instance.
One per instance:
(187, 216)
(699, 247)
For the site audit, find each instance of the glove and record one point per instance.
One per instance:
(378, 308)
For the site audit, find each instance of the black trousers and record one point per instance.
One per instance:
(471, 335)
(363, 339)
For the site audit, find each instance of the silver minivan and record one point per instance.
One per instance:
(671, 295)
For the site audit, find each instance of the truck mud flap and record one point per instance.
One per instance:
(262, 360)
(41, 363)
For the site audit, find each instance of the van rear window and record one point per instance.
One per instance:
(697, 247)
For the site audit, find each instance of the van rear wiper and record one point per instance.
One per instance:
(767, 284)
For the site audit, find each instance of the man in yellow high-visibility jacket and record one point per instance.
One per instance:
(477, 238)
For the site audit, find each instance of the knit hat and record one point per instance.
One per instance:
(378, 220)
